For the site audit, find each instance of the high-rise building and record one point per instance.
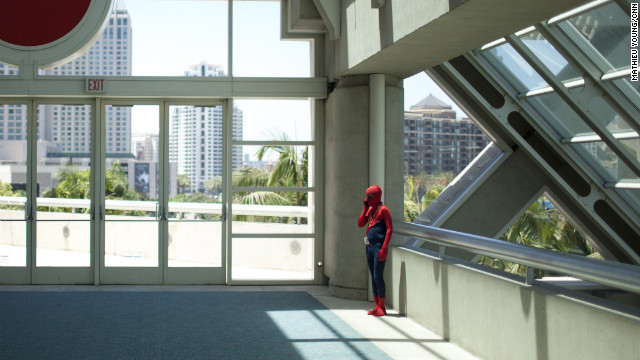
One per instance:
(434, 140)
(195, 136)
(69, 126)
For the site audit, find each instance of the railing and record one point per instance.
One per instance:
(616, 275)
(181, 207)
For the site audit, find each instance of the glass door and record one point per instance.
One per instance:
(13, 192)
(130, 234)
(63, 188)
(196, 200)
(163, 207)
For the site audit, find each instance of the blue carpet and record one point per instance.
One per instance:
(175, 325)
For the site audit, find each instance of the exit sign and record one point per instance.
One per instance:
(96, 85)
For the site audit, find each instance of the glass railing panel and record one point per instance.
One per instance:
(272, 258)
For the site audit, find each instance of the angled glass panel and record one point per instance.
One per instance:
(563, 119)
(634, 84)
(602, 158)
(632, 196)
(607, 31)
(549, 56)
(608, 117)
(514, 68)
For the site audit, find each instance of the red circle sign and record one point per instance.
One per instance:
(39, 22)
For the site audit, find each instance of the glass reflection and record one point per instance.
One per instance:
(563, 119)
(607, 30)
(515, 68)
(549, 56)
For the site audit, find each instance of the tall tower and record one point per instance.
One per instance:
(69, 126)
(195, 136)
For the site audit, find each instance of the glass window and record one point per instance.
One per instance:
(607, 117)
(8, 70)
(549, 56)
(158, 38)
(274, 120)
(258, 49)
(272, 259)
(515, 68)
(563, 119)
(606, 161)
(607, 30)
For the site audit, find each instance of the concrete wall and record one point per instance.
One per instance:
(404, 37)
(347, 141)
(498, 317)
(346, 179)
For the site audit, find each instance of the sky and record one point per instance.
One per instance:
(176, 34)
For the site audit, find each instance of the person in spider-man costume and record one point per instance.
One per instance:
(377, 217)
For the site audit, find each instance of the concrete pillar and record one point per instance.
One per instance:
(347, 174)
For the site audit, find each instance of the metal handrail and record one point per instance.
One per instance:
(617, 275)
(202, 208)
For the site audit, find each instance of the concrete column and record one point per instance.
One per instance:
(377, 130)
(348, 162)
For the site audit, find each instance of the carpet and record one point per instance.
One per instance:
(175, 325)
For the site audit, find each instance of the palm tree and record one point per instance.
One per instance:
(544, 226)
(73, 183)
(291, 170)
(183, 182)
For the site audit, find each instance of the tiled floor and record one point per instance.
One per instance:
(396, 335)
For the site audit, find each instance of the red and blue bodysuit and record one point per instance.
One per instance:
(377, 217)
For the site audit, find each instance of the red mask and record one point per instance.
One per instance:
(374, 195)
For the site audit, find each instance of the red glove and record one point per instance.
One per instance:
(382, 255)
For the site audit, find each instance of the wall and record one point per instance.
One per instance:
(498, 317)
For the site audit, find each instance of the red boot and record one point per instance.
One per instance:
(375, 309)
(381, 310)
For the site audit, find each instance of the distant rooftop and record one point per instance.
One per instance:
(431, 102)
